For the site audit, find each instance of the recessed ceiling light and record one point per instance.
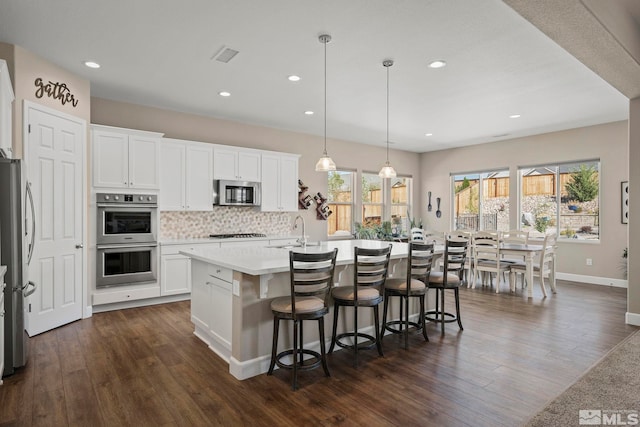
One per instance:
(439, 63)
(514, 116)
(428, 134)
(309, 113)
(294, 78)
(223, 93)
(92, 64)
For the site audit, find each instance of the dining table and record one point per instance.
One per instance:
(529, 252)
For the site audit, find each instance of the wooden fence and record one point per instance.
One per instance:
(534, 185)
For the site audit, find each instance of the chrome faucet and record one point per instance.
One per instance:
(303, 238)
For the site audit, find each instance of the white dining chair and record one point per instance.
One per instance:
(416, 235)
(544, 267)
(487, 258)
(518, 237)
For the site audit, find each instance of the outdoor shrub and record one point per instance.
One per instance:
(583, 186)
(542, 222)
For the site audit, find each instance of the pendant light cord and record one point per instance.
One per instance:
(387, 115)
(325, 96)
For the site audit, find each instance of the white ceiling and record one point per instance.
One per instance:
(158, 53)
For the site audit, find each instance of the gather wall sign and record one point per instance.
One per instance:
(55, 90)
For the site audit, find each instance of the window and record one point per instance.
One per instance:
(380, 209)
(400, 205)
(372, 200)
(340, 199)
(575, 214)
(481, 201)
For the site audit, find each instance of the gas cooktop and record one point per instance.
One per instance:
(236, 235)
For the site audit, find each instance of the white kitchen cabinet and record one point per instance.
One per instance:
(186, 179)
(175, 269)
(212, 305)
(236, 164)
(125, 158)
(6, 107)
(200, 300)
(175, 274)
(279, 182)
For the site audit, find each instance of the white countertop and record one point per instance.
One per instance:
(265, 260)
(204, 240)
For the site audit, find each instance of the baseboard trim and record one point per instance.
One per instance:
(594, 280)
(632, 319)
(140, 303)
(260, 365)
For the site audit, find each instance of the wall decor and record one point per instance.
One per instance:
(624, 190)
(304, 200)
(322, 208)
(55, 90)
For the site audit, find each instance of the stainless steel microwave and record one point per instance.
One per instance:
(236, 193)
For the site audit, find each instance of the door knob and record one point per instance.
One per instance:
(79, 246)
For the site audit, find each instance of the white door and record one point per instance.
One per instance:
(55, 170)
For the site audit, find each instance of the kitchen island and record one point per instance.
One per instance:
(232, 289)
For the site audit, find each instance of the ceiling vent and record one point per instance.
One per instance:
(225, 54)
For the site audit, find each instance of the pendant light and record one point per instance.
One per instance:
(325, 164)
(387, 170)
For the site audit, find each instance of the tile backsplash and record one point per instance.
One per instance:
(222, 220)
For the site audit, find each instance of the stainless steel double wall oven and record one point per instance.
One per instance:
(126, 241)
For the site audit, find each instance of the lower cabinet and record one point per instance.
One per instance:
(175, 274)
(175, 268)
(211, 306)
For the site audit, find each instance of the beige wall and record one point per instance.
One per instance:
(198, 128)
(607, 142)
(25, 68)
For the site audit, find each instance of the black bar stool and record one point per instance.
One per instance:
(450, 278)
(311, 282)
(413, 285)
(370, 273)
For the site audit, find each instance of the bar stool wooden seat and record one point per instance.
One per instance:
(370, 273)
(311, 282)
(450, 278)
(414, 284)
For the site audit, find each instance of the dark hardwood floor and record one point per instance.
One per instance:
(144, 367)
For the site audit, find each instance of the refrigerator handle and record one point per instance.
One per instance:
(26, 293)
(33, 224)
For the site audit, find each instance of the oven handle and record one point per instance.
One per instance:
(123, 205)
(128, 245)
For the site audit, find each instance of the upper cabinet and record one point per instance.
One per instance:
(6, 101)
(279, 182)
(187, 175)
(125, 158)
(236, 164)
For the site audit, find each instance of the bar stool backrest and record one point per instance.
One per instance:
(455, 255)
(370, 267)
(419, 263)
(311, 275)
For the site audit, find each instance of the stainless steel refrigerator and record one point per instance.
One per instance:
(12, 255)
